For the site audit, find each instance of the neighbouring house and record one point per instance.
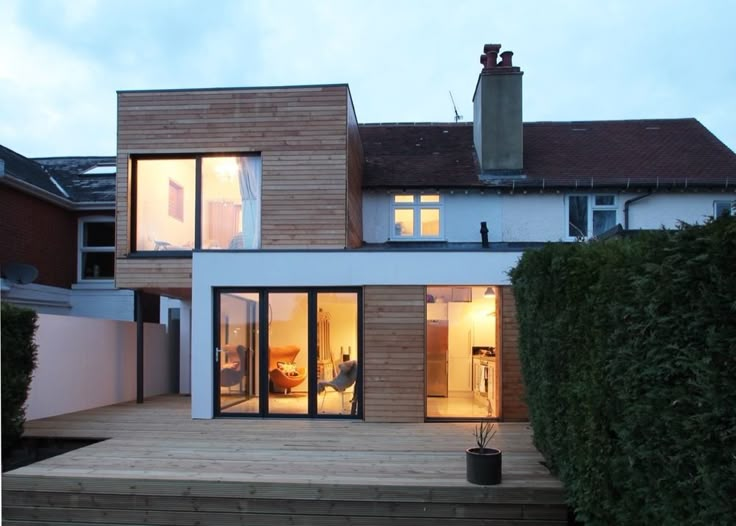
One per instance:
(360, 270)
(58, 216)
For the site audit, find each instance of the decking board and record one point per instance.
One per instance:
(158, 466)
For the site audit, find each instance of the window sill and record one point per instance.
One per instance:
(161, 254)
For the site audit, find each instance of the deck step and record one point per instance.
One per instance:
(57, 500)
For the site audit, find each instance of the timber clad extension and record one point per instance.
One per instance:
(394, 356)
(302, 137)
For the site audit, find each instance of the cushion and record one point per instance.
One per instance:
(288, 368)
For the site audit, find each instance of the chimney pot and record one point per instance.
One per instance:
(490, 55)
(506, 59)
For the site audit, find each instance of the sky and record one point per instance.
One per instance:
(62, 61)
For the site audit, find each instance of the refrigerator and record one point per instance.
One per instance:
(437, 356)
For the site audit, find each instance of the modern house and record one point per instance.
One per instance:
(58, 216)
(338, 269)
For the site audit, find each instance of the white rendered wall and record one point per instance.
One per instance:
(82, 300)
(102, 302)
(322, 268)
(41, 298)
(535, 216)
(666, 209)
(85, 363)
(185, 310)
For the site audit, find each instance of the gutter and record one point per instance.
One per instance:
(19, 184)
(628, 203)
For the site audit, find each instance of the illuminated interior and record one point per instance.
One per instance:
(416, 216)
(230, 204)
(159, 226)
(289, 358)
(462, 352)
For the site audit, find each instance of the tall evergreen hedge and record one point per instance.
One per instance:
(18, 362)
(628, 352)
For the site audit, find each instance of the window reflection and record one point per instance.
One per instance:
(231, 202)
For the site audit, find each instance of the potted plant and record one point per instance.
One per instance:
(483, 463)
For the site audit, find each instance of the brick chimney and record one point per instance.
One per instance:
(497, 125)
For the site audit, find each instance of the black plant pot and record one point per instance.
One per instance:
(483, 468)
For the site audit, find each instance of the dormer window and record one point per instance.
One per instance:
(416, 217)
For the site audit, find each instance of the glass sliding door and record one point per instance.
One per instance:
(337, 352)
(288, 353)
(237, 352)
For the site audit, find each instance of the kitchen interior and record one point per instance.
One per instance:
(462, 352)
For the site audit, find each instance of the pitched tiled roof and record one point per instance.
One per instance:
(63, 176)
(29, 171)
(663, 152)
(69, 171)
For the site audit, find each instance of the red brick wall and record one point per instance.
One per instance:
(39, 233)
(512, 388)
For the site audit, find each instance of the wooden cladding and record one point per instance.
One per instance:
(301, 134)
(158, 273)
(394, 356)
(355, 182)
(513, 406)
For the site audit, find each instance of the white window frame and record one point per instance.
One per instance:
(729, 204)
(417, 207)
(591, 208)
(81, 249)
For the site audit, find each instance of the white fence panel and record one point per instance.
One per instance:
(85, 363)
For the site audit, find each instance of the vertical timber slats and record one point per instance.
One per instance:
(394, 357)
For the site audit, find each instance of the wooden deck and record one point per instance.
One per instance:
(158, 466)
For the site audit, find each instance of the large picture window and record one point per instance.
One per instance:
(206, 202)
(416, 217)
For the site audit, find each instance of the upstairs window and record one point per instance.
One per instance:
(202, 202)
(724, 208)
(416, 217)
(96, 249)
(590, 215)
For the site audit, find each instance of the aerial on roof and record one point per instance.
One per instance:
(633, 153)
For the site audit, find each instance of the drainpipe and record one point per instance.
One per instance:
(628, 203)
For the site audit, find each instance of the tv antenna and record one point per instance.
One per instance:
(458, 117)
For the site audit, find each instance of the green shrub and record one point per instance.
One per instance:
(18, 363)
(628, 353)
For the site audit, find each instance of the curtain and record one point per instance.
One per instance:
(249, 176)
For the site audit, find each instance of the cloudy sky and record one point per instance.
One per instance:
(61, 61)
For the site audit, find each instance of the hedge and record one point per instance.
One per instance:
(18, 362)
(628, 353)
